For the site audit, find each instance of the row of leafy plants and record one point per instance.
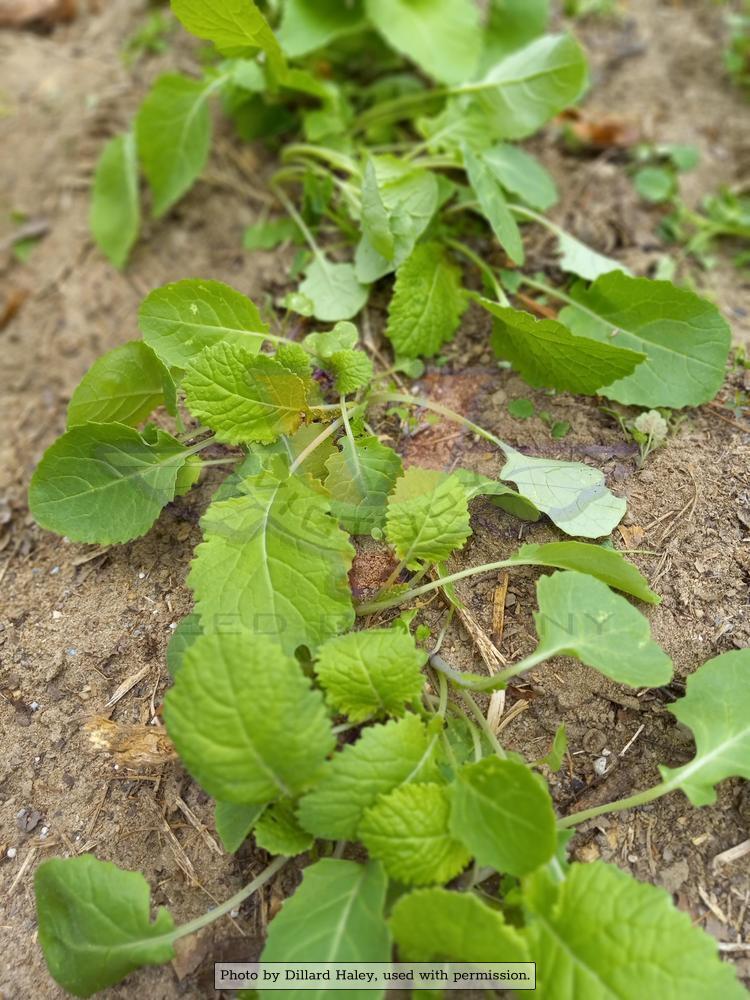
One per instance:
(356, 745)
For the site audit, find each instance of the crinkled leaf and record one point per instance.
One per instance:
(236, 27)
(427, 517)
(545, 353)
(105, 482)
(383, 758)
(522, 174)
(278, 832)
(243, 397)
(574, 496)
(173, 130)
(234, 821)
(275, 562)
(370, 673)
(578, 258)
(408, 830)
(503, 813)
(580, 616)
(684, 337)
(325, 343)
(360, 477)
(230, 715)
(352, 370)
(333, 290)
(123, 386)
(511, 25)
(494, 206)
(115, 216)
(434, 925)
(442, 37)
(178, 321)
(95, 923)
(716, 707)
(427, 304)
(183, 637)
(307, 25)
(601, 935)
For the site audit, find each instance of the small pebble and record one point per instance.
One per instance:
(141, 576)
(57, 615)
(11, 852)
(54, 571)
(72, 651)
(34, 706)
(600, 765)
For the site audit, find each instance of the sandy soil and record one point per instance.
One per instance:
(75, 622)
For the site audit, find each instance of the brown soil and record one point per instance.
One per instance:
(76, 622)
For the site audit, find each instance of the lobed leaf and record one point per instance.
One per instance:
(361, 475)
(115, 215)
(427, 517)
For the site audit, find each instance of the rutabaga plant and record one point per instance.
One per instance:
(270, 671)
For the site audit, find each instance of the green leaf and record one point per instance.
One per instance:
(243, 397)
(375, 222)
(370, 673)
(234, 821)
(503, 813)
(427, 304)
(178, 321)
(655, 184)
(684, 337)
(578, 258)
(271, 234)
(427, 517)
(408, 830)
(546, 353)
(717, 709)
(502, 496)
(336, 916)
(574, 496)
(600, 935)
(360, 477)
(115, 216)
(521, 409)
(603, 563)
(307, 25)
(275, 562)
(94, 923)
(522, 174)
(182, 639)
(278, 832)
(173, 130)
(554, 758)
(123, 386)
(333, 290)
(511, 25)
(105, 482)
(533, 84)
(383, 758)
(229, 715)
(494, 206)
(435, 925)
(325, 343)
(236, 27)
(580, 616)
(442, 37)
(352, 370)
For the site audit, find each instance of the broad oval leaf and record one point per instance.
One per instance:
(580, 616)
(228, 715)
(333, 290)
(179, 320)
(716, 707)
(494, 206)
(105, 482)
(427, 517)
(236, 27)
(685, 339)
(95, 923)
(503, 813)
(408, 830)
(511, 25)
(115, 215)
(360, 477)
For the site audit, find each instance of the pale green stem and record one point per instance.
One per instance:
(428, 404)
(483, 724)
(301, 224)
(639, 799)
(483, 267)
(370, 607)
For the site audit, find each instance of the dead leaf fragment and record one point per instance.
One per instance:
(131, 746)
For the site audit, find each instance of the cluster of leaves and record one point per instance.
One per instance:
(308, 731)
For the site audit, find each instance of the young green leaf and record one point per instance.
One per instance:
(580, 616)
(275, 562)
(578, 258)
(182, 639)
(637, 945)
(383, 758)
(370, 673)
(360, 477)
(173, 130)
(408, 830)
(375, 222)
(546, 353)
(574, 496)
(435, 925)
(325, 343)
(684, 337)
(493, 205)
(243, 397)
(442, 37)
(522, 174)
(95, 925)
(427, 304)
(234, 821)
(278, 832)
(503, 813)
(427, 517)
(352, 370)
(115, 216)
(307, 25)
(271, 234)
(236, 27)
(228, 716)
(333, 290)
(178, 321)
(105, 482)
(717, 709)
(123, 386)
(603, 563)
(511, 25)
(554, 758)
(336, 915)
